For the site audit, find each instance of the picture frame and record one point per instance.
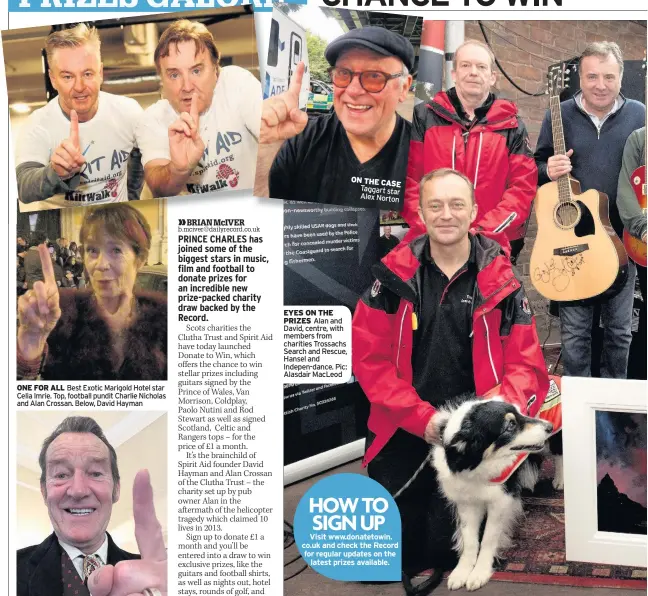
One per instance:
(583, 400)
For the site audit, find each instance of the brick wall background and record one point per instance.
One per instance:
(526, 49)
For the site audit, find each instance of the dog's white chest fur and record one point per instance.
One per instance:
(469, 486)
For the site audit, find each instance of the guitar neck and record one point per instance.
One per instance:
(564, 188)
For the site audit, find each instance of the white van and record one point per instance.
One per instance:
(287, 47)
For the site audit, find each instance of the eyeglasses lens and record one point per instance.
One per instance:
(371, 81)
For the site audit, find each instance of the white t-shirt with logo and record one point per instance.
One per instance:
(229, 129)
(106, 142)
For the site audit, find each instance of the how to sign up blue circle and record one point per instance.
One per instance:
(348, 527)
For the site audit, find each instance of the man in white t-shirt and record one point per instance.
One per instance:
(204, 136)
(79, 149)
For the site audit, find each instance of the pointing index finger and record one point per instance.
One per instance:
(296, 83)
(148, 531)
(46, 264)
(193, 110)
(74, 129)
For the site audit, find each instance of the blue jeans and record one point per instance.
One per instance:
(576, 334)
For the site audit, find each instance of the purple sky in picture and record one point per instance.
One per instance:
(621, 452)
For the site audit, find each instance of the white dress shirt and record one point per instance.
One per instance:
(77, 556)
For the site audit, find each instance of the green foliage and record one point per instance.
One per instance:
(287, 8)
(318, 64)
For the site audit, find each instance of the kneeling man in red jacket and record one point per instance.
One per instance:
(446, 315)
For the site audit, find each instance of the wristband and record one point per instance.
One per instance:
(29, 369)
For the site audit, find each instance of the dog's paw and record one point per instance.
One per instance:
(558, 483)
(457, 579)
(478, 577)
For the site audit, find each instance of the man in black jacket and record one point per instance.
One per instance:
(387, 242)
(80, 483)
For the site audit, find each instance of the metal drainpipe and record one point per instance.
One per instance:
(454, 37)
(430, 68)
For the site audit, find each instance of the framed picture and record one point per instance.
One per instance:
(604, 441)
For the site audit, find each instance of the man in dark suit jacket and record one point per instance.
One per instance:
(39, 567)
(80, 483)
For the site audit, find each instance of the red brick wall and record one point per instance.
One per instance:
(537, 44)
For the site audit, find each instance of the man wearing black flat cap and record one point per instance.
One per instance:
(358, 154)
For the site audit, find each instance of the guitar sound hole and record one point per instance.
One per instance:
(586, 225)
(567, 215)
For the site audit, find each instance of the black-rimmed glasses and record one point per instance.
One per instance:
(372, 81)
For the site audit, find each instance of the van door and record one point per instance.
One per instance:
(296, 48)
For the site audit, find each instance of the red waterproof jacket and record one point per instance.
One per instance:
(493, 152)
(505, 345)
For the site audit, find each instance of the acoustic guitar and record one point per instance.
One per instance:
(577, 254)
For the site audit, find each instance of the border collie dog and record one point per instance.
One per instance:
(478, 441)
